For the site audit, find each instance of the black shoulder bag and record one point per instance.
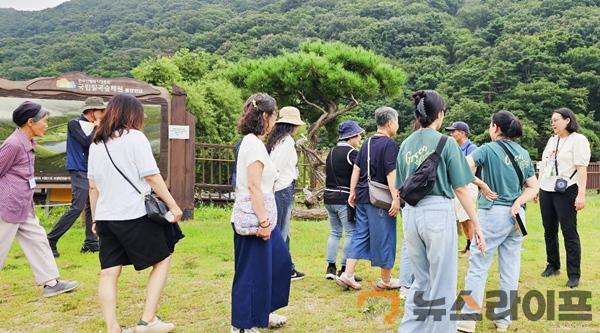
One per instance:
(521, 182)
(420, 183)
(155, 207)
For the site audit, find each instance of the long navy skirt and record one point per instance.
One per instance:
(261, 283)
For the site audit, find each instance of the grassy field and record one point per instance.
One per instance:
(197, 297)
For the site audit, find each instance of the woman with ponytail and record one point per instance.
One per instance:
(498, 217)
(429, 226)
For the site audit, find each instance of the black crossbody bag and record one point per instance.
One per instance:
(420, 183)
(561, 184)
(521, 183)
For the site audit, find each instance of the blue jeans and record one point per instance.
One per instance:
(431, 243)
(338, 218)
(406, 275)
(500, 234)
(284, 200)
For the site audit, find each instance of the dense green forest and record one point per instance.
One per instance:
(527, 56)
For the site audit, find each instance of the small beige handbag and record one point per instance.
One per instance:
(379, 194)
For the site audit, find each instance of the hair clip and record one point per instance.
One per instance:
(254, 103)
(421, 107)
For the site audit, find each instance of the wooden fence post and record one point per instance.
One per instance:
(182, 153)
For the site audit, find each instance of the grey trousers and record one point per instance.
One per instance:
(32, 238)
(80, 188)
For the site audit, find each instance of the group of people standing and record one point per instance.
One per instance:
(485, 188)
(113, 164)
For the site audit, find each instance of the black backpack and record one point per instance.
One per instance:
(420, 183)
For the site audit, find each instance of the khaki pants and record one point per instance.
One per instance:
(33, 241)
(461, 214)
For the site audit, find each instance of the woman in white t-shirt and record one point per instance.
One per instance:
(282, 149)
(127, 236)
(563, 179)
(261, 283)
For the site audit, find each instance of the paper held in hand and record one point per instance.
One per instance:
(87, 127)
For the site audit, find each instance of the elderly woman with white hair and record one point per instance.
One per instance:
(374, 236)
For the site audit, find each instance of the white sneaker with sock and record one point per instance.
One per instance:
(276, 321)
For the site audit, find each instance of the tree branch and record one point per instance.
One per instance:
(314, 127)
(330, 115)
(310, 103)
(351, 105)
(309, 152)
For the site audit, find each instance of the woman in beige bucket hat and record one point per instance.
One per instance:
(281, 148)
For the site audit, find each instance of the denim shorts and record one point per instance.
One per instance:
(374, 236)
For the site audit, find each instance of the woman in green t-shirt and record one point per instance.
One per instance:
(429, 226)
(498, 217)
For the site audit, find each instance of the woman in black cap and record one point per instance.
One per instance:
(17, 216)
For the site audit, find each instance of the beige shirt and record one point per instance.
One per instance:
(573, 151)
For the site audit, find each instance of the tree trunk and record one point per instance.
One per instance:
(329, 113)
(310, 214)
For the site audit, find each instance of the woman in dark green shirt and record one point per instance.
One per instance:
(430, 227)
(498, 216)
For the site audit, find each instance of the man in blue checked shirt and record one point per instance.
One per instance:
(460, 132)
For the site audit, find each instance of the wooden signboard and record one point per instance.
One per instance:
(63, 96)
(80, 83)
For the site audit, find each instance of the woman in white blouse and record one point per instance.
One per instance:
(120, 167)
(260, 284)
(282, 149)
(563, 178)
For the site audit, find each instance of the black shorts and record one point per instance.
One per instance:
(139, 242)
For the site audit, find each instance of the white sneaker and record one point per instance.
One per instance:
(404, 292)
(244, 330)
(276, 321)
(466, 326)
(157, 326)
(501, 327)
